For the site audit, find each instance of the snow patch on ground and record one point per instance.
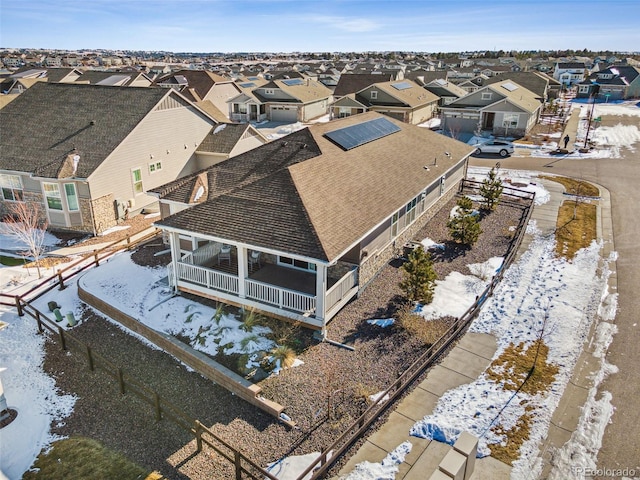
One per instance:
(385, 470)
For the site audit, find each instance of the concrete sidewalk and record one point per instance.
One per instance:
(466, 361)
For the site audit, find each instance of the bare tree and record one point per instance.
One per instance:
(27, 224)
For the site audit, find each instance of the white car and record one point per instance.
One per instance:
(500, 147)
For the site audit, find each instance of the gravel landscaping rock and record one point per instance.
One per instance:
(324, 395)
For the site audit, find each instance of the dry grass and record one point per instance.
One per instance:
(509, 451)
(428, 331)
(577, 220)
(574, 186)
(82, 458)
(576, 227)
(513, 369)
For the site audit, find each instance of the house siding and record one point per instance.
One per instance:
(370, 267)
(170, 135)
(315, 109)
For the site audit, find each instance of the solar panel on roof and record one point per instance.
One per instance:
(401, 85)
(247, 85)
(252, 78)
(293, 81)
(355, 135)
(509, 86)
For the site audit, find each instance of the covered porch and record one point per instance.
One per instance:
(301, 290)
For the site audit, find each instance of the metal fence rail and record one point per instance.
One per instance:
(330, 454)
(243, 466)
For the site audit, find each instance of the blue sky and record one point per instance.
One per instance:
(321, 25)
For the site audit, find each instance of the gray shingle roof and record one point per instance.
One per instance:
(315, 201)
(222, 138)
(46, 122)
(354, 82)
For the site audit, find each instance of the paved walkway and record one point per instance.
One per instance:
(467, 360)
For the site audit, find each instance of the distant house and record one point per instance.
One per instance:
(114, 79)
(569, 73)
(503, 108)
(446, 91)
(202, 86)
(354, 82)
(287, 100)
(89, 153)
(404, 100)
(536, 82)
(617, 82)
(299, 226)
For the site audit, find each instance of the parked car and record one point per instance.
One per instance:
(500, 147)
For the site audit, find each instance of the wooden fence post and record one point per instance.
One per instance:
(97, 262)
(237, 460)
(198, 435)
(39, 322)
(61, 281)
(121, 381)
(63, 341)
(90, 358)
(19, 307)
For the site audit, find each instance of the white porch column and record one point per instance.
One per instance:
(321, 290)
(242, 270)
(174, 242)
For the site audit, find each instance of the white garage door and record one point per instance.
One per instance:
(283, 114)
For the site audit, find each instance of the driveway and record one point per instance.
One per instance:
(621, 441)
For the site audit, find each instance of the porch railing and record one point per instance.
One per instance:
(338, 291)
(208, 278)
(202, 254)
(280, 297)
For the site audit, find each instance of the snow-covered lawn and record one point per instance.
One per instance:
(570, 291)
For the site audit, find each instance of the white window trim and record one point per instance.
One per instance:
(311, 266)
(75, 193)
(9, 185)
(486, 95)
(374, 94)
(52, 194)
(134, 182)
(155, 167)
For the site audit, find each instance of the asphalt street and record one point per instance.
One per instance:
(621, 442)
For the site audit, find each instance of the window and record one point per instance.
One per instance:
(11, 187)
(583, 89)
(374, 95)
(510, 120)
(268, 91)
(394, 224)
(52, 194)
(297, 263)
(72, 197)
(486, 95)
(411, 211)
(136, 176)
(155, 167)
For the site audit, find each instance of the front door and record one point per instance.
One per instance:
(489, 118)
(253, 112)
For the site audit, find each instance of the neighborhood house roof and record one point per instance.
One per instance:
(305, 195)
(48, 121)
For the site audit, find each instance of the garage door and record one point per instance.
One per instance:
(284, 114)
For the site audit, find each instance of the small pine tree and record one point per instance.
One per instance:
(491, 189)
(464, 227)
(419, 276)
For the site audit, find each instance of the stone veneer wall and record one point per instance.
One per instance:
(104, 214)
(372, 265)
